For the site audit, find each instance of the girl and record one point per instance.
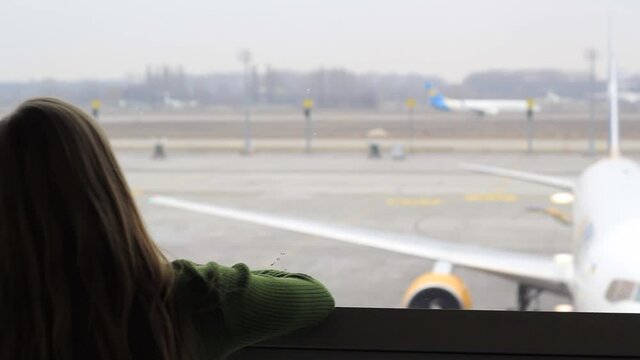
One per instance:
(80, 278)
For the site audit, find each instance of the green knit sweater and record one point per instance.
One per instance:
(232, 307)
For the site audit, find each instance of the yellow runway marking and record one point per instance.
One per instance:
(491, 197)
(410, 201)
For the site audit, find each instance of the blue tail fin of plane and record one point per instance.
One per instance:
(436, 99)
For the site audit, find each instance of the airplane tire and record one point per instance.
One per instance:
(435, 298)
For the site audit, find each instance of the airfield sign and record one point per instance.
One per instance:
(96, 104)
(307, 103)
(410, 103)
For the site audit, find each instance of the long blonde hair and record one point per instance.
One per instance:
(80, 277)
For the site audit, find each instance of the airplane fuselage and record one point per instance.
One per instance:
(606, 237)
(483, 107)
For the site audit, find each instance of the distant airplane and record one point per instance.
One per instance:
(601, 274)
(627, 96)
(632, 97)
(176, 104)
(479, 106)
(553, 98)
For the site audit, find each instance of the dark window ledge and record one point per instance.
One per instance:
(361, 333)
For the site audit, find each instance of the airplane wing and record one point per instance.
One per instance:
(554, 182)
(548, 272)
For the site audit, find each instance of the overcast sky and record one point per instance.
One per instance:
(77, 39)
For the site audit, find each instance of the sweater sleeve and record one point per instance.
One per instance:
(234, 307)
(263, 304)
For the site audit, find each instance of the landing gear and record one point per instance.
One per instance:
(527, 295)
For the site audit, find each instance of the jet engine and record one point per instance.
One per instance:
(436, 290)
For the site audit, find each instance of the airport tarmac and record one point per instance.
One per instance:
(424, 194)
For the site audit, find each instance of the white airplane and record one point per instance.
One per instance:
(631, 97)
(479, 106)
(601, 274)
(176, 104)
(553, 98)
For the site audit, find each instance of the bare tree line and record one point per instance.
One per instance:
(333, 87)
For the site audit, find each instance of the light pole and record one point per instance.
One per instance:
(591, 56)
(411, 105)
(531, 104)
(307, 106)
(245, 58)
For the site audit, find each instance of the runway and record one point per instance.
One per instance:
(425, 194)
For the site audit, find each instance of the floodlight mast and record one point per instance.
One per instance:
(614, 121)
(591, 55)
(245, 58)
